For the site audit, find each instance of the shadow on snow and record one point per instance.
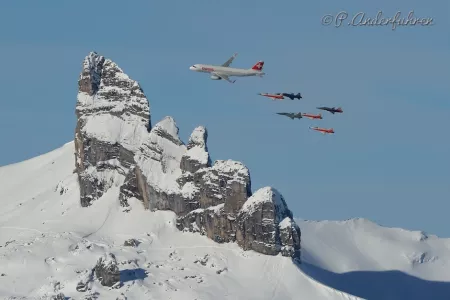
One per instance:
(132, 274)
(379, 284)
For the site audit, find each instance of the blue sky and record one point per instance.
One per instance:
(389, 159)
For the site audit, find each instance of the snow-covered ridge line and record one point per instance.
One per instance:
(164, 264)
(350, 249)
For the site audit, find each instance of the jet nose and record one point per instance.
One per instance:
(191, 68)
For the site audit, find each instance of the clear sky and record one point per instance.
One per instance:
(389, 160)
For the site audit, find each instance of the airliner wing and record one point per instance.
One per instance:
(229, 61)
(224, 77)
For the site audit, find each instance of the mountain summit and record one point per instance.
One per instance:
(117, 146)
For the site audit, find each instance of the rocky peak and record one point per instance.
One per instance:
(115, 145)
(267, 199)
(103, 88)
(259, 223)
(112, 120)
(90, 76)
(196, 156)
(167, 129)
(198, 138)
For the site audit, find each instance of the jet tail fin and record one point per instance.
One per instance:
(258, 66)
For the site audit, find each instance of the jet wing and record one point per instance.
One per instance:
(224, 77)
(229, 61)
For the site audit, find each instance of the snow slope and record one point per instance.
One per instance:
(49, 243)
(374, 262)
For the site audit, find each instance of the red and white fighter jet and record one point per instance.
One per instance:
(323, 130)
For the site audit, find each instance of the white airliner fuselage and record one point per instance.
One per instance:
(224, 71)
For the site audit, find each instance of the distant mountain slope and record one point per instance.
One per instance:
(374, 262)
(50, 244)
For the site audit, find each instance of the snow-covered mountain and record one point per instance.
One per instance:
(116, 146)
(137, 214)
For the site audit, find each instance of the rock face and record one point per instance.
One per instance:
(117, 146)
(131, 243)
(263, 224)
(60, 296)
(107, 271)
(158, 166)
(113, 116)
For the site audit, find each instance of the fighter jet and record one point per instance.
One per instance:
(323, 130)
(312, 117)
(291, 115)
(332, 110)
(292, 96)
(276, 96)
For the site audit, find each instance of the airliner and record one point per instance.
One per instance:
(224, 71)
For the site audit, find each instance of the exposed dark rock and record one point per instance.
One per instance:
(107, 270)
(258, 222)
(82, 287)
(60, 296)
(131, 243)
(263, 224)
(290, 236)
(130, 188)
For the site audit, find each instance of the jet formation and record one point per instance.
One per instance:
(224, 72)
(300, 115)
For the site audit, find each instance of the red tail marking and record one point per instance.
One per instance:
(258, 66)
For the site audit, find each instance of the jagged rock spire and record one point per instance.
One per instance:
(117, 146)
